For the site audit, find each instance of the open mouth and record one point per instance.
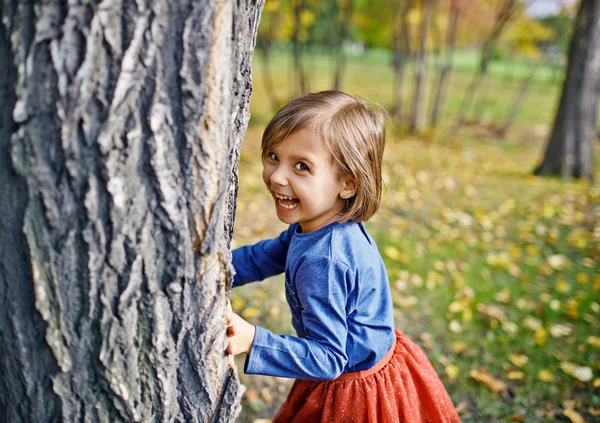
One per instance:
(287, 203)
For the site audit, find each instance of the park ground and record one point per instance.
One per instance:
(495, 273)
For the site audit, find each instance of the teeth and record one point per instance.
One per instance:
(291, 206)
(282, 197)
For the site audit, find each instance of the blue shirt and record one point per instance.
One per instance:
(338, 291)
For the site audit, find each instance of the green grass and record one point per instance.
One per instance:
(473, 245)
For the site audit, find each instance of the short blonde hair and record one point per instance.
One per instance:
(353, 132)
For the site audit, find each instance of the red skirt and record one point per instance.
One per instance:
(402, 387)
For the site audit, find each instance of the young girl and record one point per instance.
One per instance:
(322, 156)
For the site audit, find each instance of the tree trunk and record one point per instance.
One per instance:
(419, 106)
(265, 53)
(401, 44)
(300, 75)
(121, 125)
(446, 67)
(569, 151)
(507, 10)
(344, 19)
(512, 114)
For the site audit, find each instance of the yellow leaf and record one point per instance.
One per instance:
(406, 302)
(574, 416)
(452, 371)
(560, 330)
(597, 382)
(250, 313)
(454, 326)
(540, 335)
(515, 375)
(582, 278)
(546, 376)
(563, 286)
(456, 306)
(594, 341)
(518, 359)
(581, 373)
(237, 303)
(459, 346)
(559, 262)
(487, 380)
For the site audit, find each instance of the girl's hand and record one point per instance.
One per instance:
(240, 334)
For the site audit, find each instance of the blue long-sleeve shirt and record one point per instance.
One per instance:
(337, 288)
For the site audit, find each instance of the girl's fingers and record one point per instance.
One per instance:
(231, 361)
(229, 313)
(232, 347)
(230, 330)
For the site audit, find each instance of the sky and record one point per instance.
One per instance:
(540, 8)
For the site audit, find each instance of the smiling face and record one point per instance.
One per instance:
(300, 175)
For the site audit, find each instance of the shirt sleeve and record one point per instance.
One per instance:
(261, 260)
(322, 293)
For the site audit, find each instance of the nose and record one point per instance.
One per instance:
(278, 176)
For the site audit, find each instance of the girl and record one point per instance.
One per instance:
(322, 156)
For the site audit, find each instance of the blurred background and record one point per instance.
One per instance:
(494, 271)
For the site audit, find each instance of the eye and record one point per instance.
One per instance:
(301, 166)
(272, 156)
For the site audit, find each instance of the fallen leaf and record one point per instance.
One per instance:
(518, 359)
(574, 416)
(452, 371)
(482, 376)
(515, 375)
(546, 376)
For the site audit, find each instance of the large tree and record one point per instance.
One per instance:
(120, 129)
(570, 148)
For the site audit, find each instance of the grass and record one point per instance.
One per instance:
(493, 271)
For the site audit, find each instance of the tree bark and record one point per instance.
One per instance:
(445, 69)
(506, 12)
(570, 148)
(297, 47)
(121, 124)
(401, 45)
(344, 19)
(419, 104)
(514, 109)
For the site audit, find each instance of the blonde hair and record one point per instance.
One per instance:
(353, 132)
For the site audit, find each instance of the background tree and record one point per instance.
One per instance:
(343, 20)
(507, 9)
(455, 9)
(270, 27)
(121, 125)
(529, 40)
(570, 148)
(419, 100)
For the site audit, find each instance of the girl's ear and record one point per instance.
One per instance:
(348, 187)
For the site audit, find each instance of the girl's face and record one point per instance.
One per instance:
(300, 176)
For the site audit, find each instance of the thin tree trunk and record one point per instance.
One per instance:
(345, 19)
(401, 43)
(512, 114)
(265, 53)
(119, 140)
(446, 68)
(505, 14)
(419, 105)
(300, 76)
(569, 151)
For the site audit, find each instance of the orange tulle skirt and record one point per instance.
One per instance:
(402, 387)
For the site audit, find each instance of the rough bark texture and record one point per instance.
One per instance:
(419, 104)
(506, 12)
(120, 129)
(570, 148)
(446, 68)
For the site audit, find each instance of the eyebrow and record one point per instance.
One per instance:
(302, 159)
